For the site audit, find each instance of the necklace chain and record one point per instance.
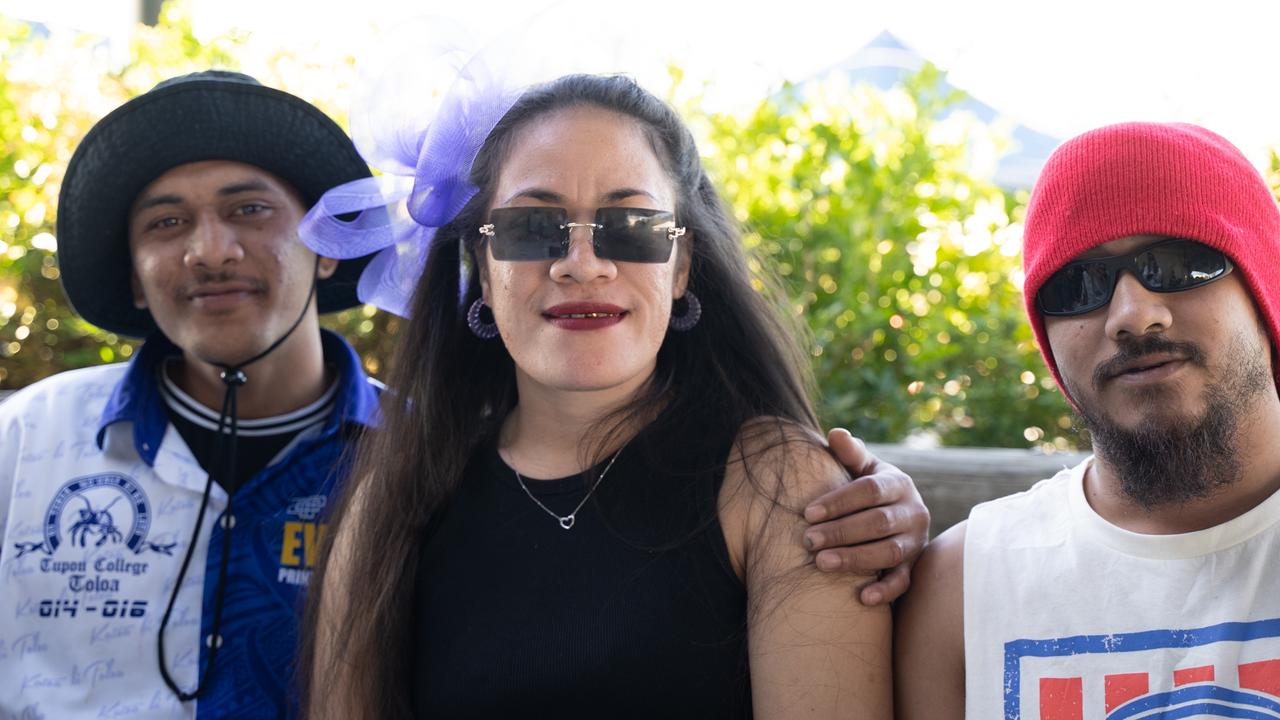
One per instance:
(566, 521)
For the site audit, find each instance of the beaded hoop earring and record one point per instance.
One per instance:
(480, 328)
(685, 321)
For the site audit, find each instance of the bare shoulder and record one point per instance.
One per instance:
(929, 633)
(939, 573)
(932, 611)
(775, 468)
(783, 461)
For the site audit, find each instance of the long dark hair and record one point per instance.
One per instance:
(450, 390)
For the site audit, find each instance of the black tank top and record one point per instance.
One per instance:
(634, 612)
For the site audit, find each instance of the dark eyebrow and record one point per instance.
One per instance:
(537, 193)
(155, 200)
(253, 185)
(550, 196)
(624, 193)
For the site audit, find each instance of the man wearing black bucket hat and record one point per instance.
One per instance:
(160, 518)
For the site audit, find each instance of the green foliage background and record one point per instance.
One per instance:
(904, 264)
(865, 205)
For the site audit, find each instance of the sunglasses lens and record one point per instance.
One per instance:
(1179, 265)
(633, 235)
(1167, 266)
(1076, 288)
(528, 233)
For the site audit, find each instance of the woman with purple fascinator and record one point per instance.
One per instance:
(586, 494)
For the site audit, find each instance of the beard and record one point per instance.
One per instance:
(1168, 460)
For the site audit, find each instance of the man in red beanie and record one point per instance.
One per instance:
(1142, 582)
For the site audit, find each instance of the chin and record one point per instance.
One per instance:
(221, 350)
(585, 384)
(1158, 417)
(1157, 405)
(581, 377)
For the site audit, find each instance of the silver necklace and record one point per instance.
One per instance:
(566, 521)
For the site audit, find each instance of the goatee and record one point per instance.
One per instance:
(1166, 460)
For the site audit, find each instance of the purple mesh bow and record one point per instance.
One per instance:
(425, 142)
(426, 154)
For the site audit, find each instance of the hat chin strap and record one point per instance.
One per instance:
(232, 377)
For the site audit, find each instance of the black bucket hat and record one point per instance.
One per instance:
(210, 115)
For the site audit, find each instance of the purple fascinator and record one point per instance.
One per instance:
(420, 121)
(423, 106)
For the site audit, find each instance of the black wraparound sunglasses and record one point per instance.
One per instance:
(618, 233)
(1166, 266)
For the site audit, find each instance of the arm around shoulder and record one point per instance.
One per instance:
(815, 650)
(929, 679)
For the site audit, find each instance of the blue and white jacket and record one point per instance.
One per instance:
(98, 499)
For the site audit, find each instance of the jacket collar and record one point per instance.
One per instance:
(136, 398)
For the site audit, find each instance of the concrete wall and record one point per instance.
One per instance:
(952, 480)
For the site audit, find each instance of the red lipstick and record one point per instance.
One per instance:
(584, 315)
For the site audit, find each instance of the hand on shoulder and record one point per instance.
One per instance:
(775, 469)
(876, 523)
(815, 651)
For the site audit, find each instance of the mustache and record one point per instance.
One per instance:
(1137, 348)
(204, 278)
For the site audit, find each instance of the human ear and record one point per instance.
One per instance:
(325, 267)
(481, 257)
(139, 298)
(684, 260)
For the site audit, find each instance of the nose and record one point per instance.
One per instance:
(212, 243)
(581, 264)
(1135, 310)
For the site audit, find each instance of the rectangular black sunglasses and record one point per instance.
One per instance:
(622, 234)
(1166, 266)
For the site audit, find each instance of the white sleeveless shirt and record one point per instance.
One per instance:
(1068, 617)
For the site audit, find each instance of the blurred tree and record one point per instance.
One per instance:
(903, 261)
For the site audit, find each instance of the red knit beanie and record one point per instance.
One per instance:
(1144, 178)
